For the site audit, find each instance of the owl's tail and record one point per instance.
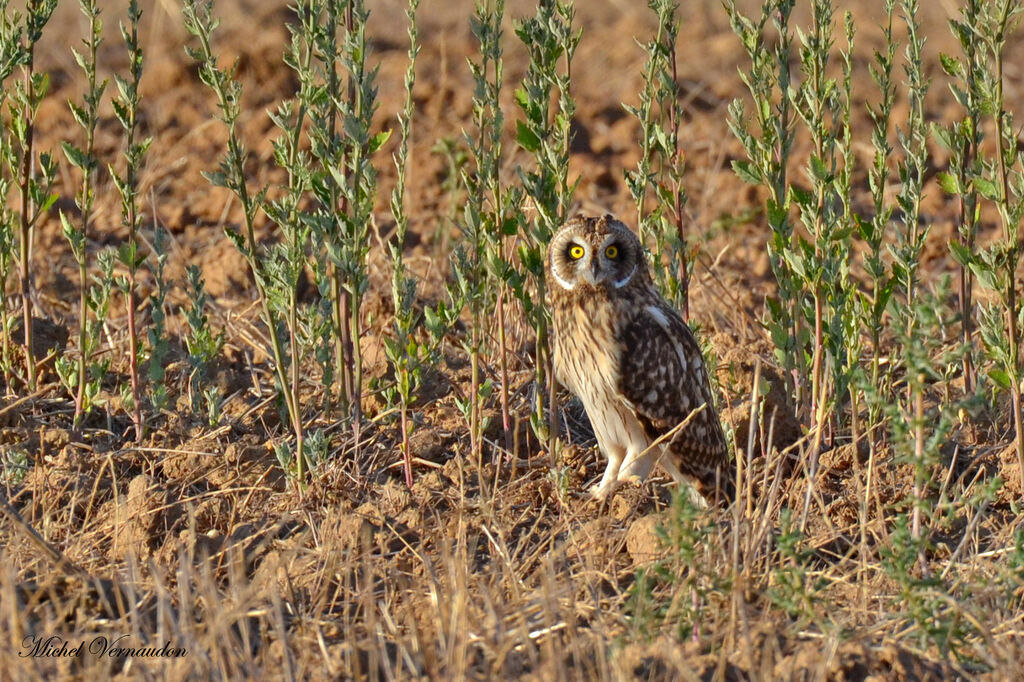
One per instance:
(719, 485)
(716, 486)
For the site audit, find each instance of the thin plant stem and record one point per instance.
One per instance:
(26, 232)
(1012, 245)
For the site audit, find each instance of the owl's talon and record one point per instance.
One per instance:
(636, 471)
(603, 491)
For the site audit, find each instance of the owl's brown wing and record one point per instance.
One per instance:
(663, 379)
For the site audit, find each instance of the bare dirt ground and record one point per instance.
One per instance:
(194, 537)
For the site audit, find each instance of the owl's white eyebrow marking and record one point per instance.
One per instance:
(625, 280)
(565, 285)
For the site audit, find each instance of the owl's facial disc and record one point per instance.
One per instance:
(596, 253)
(615, 260)
(619, 283)
(590, 269)
(579, 258)
(570, 258)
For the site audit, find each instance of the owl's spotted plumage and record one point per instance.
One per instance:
(631, 359)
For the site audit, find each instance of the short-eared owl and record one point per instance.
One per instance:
(631, 359)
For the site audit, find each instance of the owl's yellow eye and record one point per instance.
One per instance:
(576, 252)
(612, 252)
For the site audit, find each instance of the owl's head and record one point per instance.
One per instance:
(595, 253)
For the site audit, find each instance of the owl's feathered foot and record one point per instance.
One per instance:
(603, 490)
(610, 481)
(636, 469)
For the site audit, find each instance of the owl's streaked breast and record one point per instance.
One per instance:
(584, 342)
(588, 360)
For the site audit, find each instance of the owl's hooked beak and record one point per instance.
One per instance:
(590, 275)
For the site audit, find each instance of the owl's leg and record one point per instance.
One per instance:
(610, 480)
(638, 466)
(640, 455)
